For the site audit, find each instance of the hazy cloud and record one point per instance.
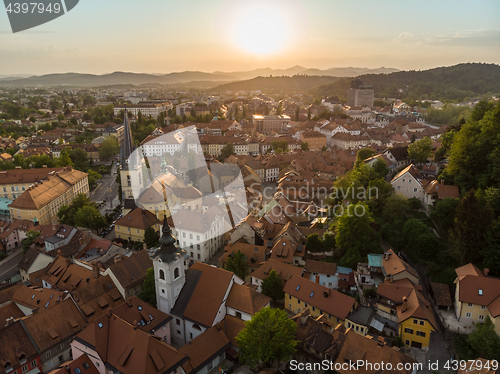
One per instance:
(468, 38)
(405, 37)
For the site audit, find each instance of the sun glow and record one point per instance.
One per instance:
(262, 30)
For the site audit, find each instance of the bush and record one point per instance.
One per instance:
(370, 292)
(415, 203)
(398, 342)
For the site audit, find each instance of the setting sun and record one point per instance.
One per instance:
(262, 31)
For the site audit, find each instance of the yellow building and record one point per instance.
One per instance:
(359, 321)
(14, 182)
(315, 140)
(43, 199)
(477, 296)
(133, 225)
(403, 302)
(416, 332)
(301, 293)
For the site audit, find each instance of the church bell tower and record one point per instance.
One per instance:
(168, 262)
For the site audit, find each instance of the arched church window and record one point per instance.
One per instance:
(162, 274)
(176, 273)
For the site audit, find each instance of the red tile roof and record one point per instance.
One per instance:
(210, 344)
(209, 287)
(327, 300)
(49, 327)
(127, 349)
(138, 219)
(246, 299)
(83, 363)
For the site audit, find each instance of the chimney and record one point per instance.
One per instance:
(442, 181)
(303, 316)
(486, 271)
(95, 270)
(325, 325)
(381, 341)
(44, 166)
(405, 304)
(68, 261)
(18, 167)
(387, 255)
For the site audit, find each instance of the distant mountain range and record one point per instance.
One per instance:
(332, 72)
(78, 79)
(295, 83)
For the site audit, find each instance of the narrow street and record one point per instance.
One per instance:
(106, 190)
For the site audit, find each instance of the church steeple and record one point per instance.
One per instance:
(166, 239)
(128, 143)
(168, 250)
(168, 263)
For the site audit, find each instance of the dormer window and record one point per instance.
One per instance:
(480, 292)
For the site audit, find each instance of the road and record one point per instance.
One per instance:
(105, 185)
(10, 263)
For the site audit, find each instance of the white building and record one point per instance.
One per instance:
(410, 183)
(183, 109)
(147, 110)
(159, 145)
(200, 233)
(193, 144)
(200, 297)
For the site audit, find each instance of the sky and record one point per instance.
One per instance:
(163, 36)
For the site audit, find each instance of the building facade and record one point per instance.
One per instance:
(152, 110)
(42, 200)
(360, 94)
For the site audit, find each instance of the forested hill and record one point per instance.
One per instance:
(453, 82)
(296, 83)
